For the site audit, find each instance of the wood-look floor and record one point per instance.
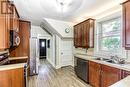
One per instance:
(50, 77)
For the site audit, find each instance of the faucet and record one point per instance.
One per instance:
(117, 59)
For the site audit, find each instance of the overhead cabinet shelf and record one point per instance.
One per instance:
(84, 34)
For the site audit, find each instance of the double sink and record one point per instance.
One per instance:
(111, 60)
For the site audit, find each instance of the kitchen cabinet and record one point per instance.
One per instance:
(125, 73)
(126, 25)
(15, 20)
(12, 78)
(5, 15)
(109, 75)
(84, 34)
(94, 74)
(77, 36)
(102, 75)
(23, 49)
(81, 68)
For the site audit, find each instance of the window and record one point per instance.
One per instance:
(43, 44)
(110, 35)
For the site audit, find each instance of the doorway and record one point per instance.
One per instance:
(43, 48)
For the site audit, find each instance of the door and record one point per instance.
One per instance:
(42, 47)
(66, 52)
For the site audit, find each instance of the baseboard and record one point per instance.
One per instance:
(51, 63)
(58, 67)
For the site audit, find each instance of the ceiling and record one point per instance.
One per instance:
(37, 10)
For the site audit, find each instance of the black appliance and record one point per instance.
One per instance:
(4, 58)
(14, 38)
(81, 69)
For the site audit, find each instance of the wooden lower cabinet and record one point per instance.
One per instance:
(94, 74)
(109, 75)
(125, 73)
(12, 78)
(103, 76)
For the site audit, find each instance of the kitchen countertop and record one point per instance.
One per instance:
(92, 58)
(122, 83)
(18, 58)
(12, 66)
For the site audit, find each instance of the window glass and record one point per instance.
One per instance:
(110, 37)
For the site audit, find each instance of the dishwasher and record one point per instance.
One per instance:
(81, 69)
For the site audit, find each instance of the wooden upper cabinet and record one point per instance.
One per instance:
(109, 75)
(84, 34)
(24, 48)
(94, 74)
(126, 25)
(5, 13)
(75, 36)
(15, 19)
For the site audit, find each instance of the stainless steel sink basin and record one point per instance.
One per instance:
(102, 59)
(110, 61)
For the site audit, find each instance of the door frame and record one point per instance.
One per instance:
(46, 44)
(38, 49)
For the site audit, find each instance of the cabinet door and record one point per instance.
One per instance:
(94, 74)
(109, 75)
(12, 78)
(86, 34)
(91, 33)
(5, 79)
(14, 19)
(79, 37)
(4, 26)
(75, 36)
(125, 73)
(126, 24)
(17, 77)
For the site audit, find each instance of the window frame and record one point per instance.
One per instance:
(106, 54)
(101, 35)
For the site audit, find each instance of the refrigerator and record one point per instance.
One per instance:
(34, 56)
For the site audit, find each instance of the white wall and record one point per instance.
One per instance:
(60, 27)
(38, 33)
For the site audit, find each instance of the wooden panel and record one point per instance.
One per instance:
(91, 32)
(79, 37)
(12, 78)
(5, 79)
(94, 74)
(125, 73)
(4, 25)
(126, 24)
(75, 36)
(17, 78)
(23, 49)
(84, 32)
(15, 19)
(109, 75)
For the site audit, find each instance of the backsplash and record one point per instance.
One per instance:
(89, 51)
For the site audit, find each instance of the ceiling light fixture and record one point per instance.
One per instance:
(62, 5)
